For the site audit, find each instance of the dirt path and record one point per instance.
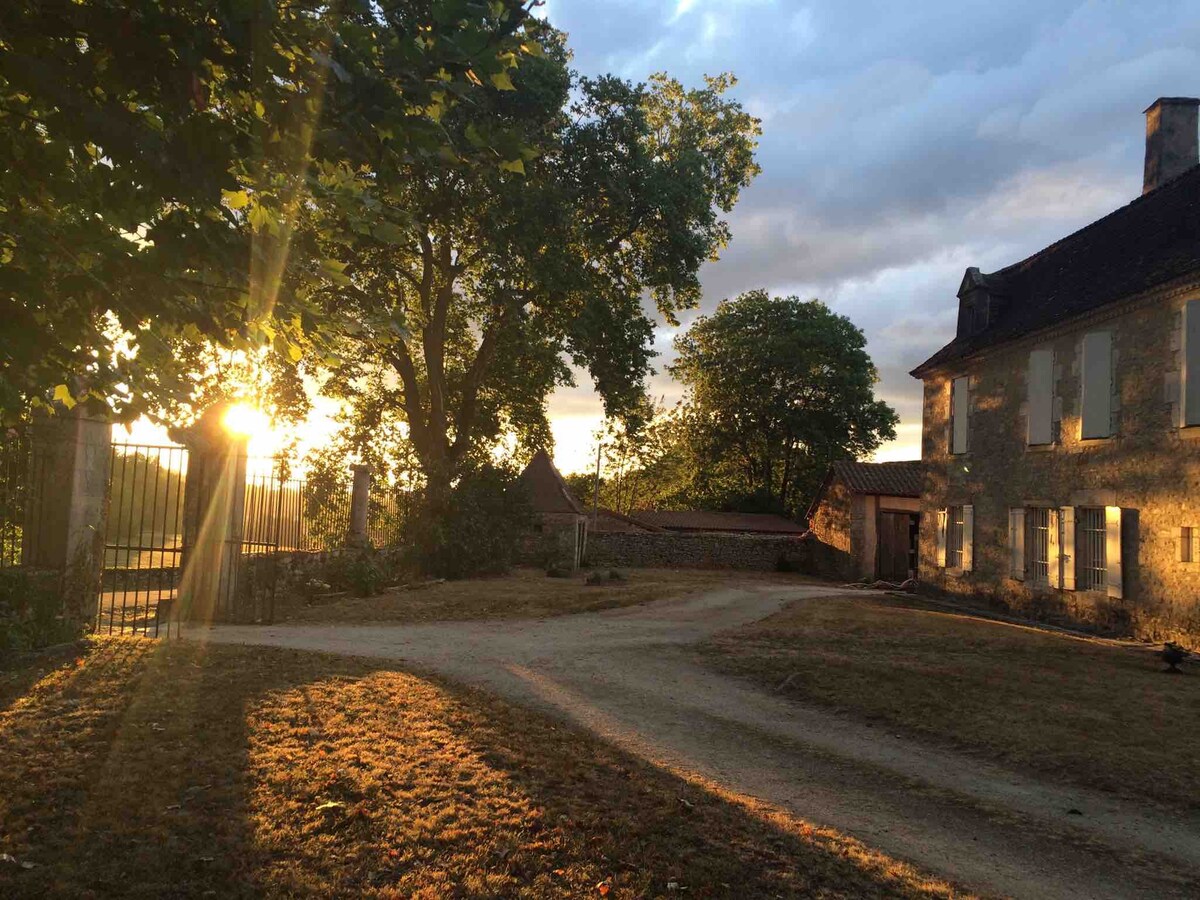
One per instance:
(629, 676)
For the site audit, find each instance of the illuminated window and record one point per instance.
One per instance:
(955, 520)
(1091, 549)
(1037, 544)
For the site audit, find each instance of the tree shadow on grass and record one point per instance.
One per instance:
(184, 770)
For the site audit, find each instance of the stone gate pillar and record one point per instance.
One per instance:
(67, 502)
(359, 504)
(214, 497)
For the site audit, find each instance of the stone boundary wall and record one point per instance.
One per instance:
(705, 551)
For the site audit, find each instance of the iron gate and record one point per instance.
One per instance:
(146, 543)
(143, 539)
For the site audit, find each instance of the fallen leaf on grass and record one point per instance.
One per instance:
(9, 858)
(330, 804)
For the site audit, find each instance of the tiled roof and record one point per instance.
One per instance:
(898, 479)
(609, 521)
(1153, 241)
(703, 520)
(547, 491)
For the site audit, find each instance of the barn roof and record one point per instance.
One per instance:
(897, 479)
(547, 491)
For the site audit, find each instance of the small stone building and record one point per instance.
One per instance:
(1061, 434)
(867, 518)
(560, 526)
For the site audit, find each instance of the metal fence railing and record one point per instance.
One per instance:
(22, 483)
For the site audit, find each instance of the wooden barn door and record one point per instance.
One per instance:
(896, 545)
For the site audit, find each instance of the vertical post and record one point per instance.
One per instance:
(359, 504)
(596, 486)
(64, 522)
(214, 498)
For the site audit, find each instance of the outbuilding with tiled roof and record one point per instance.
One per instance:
(867, 515)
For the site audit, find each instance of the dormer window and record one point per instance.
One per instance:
(978, 304)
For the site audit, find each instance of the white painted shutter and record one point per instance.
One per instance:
(1190, 402)
(1053, 549)
(960, 398)
(1040, 426)
(1067, 549)
(1097, 384)
(1016, 543)
(942, 515)
(1112, 527)
(968, 547)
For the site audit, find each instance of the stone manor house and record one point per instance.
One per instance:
(1061, 433)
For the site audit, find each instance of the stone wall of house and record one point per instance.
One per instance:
(1150, 468)
(705, 551)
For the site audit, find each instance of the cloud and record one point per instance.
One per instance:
(905, 142)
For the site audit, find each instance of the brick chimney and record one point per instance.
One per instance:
(1171, 146)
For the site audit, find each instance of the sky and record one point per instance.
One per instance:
(901, 144)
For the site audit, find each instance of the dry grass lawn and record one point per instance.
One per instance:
(523, 594)
(1090, 712)
(142, 769)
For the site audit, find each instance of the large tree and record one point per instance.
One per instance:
(777, 388)
(174, 171)
(605, 199)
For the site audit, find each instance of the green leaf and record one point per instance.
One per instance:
(512, 165)
(62, 394)
(235, 199)
(503, 82)
(389, 233)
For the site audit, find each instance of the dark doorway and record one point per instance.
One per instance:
(898, 545)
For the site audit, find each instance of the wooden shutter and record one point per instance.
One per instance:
(1016, 543)
(960, 399)
(1053, 551)
(942, 516)
(1097, 385)
(1066, 550)
(1040, 399)
(1112, 550)
(968, 538)
(1190, 377)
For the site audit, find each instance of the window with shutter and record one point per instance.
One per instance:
(1016, 543)
(1190, 352)
(943, 516)
(1112, 527)
(968, 538)
(1037, 544)
(1067, 550)
(1097, 385)
(1040, 399)
(960, 400)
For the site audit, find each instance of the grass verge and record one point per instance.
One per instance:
(145, 769)
(525, 593)
(1089, 712)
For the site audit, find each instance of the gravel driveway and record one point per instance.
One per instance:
(630, 676)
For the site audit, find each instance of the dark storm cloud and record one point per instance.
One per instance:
(904, 142)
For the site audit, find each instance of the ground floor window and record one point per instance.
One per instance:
(955, 520)
(1091, 549)
(1187, 544)
(1037, 544)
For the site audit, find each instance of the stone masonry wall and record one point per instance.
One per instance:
(833, 524)
(1150, 468)
(702, 551)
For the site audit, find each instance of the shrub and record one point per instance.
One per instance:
(31, 611)
(474, 529)
(360, 571)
